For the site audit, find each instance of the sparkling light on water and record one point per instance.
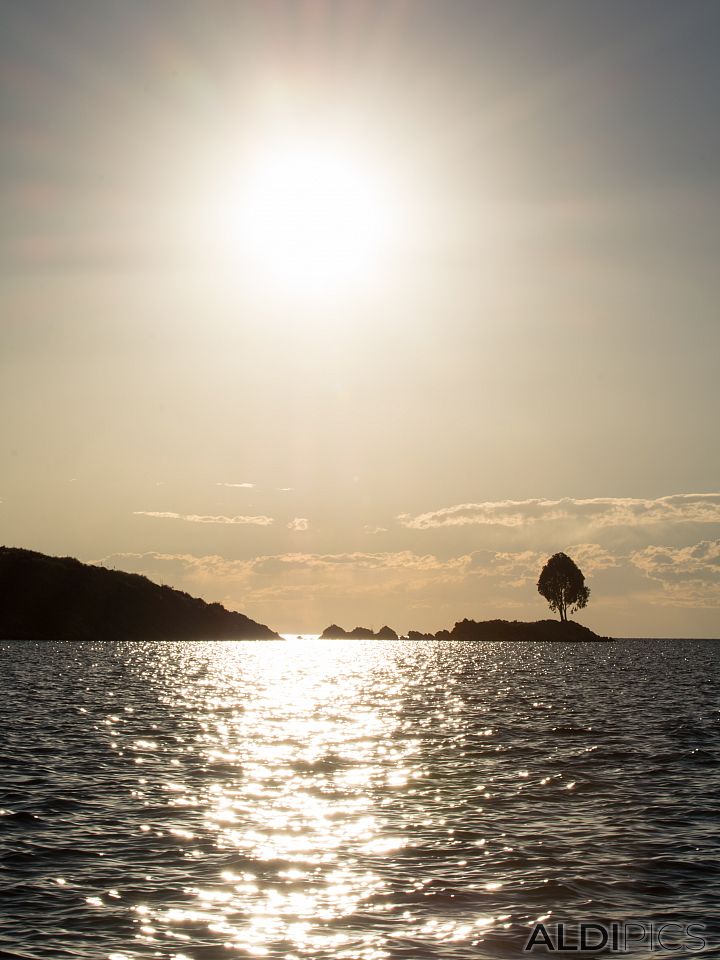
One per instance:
(351, 800)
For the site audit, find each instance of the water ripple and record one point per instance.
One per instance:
(351, 800)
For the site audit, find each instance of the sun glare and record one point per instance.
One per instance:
(313, 217)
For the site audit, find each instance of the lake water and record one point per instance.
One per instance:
(357, 800)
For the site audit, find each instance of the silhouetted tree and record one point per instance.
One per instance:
(563, 585)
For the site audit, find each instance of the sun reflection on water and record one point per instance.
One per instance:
(312, 777)
(303, 755)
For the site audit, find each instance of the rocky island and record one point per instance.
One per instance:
(59, 598)
(473, 630)
(334, 632)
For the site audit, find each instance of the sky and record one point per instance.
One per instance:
(492, 336)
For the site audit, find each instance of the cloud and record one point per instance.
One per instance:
(195, 518)
(299, 523)
(383, 569)
(598, 512)
(689, 576)
(699, 561)
(371, 529)
(244, 486)
(591, 557)
(362, 572)
(399, 560)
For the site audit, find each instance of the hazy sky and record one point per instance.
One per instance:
(529, 364)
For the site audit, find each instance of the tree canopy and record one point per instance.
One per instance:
(563, 585)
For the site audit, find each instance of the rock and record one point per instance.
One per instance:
(334, 632)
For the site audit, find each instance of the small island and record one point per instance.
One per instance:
(538, 630)
(561, 584)
(60, 598)
(535, 630)
(334, 632)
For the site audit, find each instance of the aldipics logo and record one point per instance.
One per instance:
(617, 937)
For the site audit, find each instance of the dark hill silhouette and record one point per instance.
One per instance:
(59, 598)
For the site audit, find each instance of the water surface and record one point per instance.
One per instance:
(356, 800)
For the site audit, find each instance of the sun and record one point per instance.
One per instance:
(313, 216)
